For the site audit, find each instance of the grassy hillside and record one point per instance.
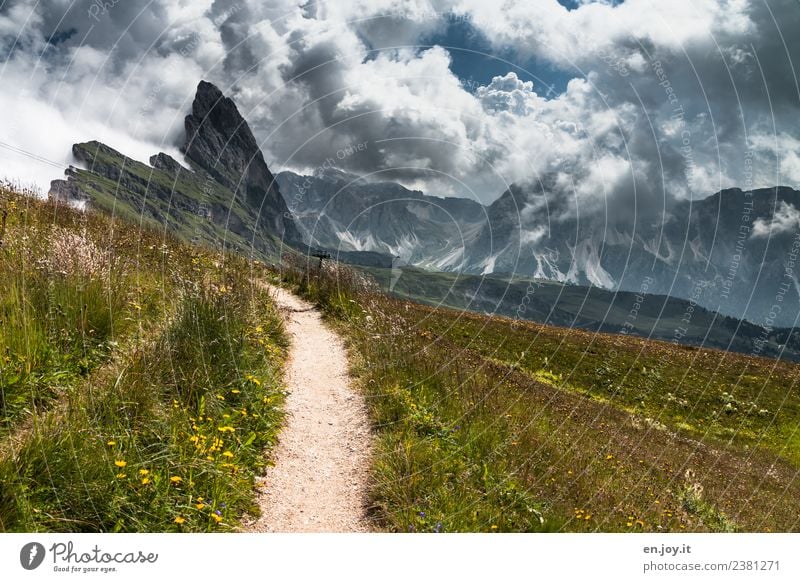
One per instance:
(590, 308)
(139, 376)
(493, 424)
(189, 204)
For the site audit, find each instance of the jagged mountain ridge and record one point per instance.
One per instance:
(226, 197)
(705, 250)
(348, 213)
(220, 142)
(702, 250)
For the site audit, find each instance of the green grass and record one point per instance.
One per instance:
(140, 396)
(490, 424)
(590, 308)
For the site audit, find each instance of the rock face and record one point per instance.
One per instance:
(345, 212)
(219, 141)
(708, 251)
(226, 198)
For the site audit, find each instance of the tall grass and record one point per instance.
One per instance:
(484, 424)
(142, 380)
(437, 467)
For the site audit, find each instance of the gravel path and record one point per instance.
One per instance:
(319, 481)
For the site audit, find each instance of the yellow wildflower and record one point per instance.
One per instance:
(120, 463)
(175, 479)
(146, 480)
(227, 454)
(179, 520)
(111, 443)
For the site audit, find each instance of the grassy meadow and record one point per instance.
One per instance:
(490, 424)
(140, 390)
(139, 376)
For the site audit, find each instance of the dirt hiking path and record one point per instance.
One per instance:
(319, 481)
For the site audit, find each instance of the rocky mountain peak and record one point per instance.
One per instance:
(219, 141)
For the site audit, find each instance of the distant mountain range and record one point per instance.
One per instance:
(732, 252)
(719, 251)
(348, 213)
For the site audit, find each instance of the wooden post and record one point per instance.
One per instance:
(321, 255)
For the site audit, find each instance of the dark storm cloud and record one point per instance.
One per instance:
(313, 78)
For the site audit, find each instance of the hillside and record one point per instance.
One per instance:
(225, 198)
(639, 314)
(488, 424)
(139, 377)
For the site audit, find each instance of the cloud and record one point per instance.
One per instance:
(666, 100)
(785, 220)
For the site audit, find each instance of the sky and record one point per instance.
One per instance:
(608, 104)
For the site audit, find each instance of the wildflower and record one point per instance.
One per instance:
(175, 479)
(200, 505)
(179, 520)
(494, 527)
(227, 454)
(111, 443)
(143, 472)
(121, 475)
(630, 524)
(216, 517)
(226, 429)
(146, 480)
(120, 463)
(609, 457)
(236, 391)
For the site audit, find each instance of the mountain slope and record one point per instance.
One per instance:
(348, 213)
(226, 199)
(219, 141)
(718, 251)
(639, 314)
